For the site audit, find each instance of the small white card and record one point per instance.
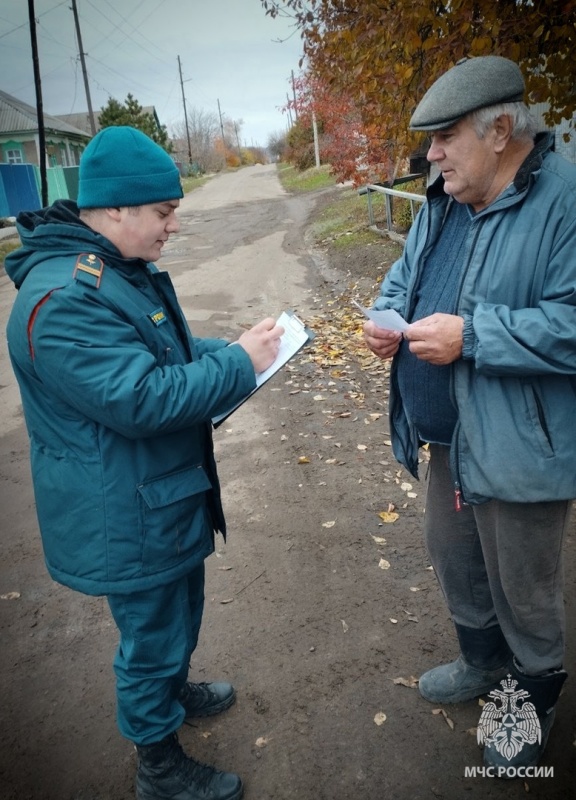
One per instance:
(388, 318)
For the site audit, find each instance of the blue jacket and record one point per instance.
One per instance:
(515, 386)
(118, 397)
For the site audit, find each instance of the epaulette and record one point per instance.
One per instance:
(89, 269)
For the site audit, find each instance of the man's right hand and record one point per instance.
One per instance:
(262, 343)
(383, 342)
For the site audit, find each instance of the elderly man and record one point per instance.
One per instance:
(486, 375)
(118, 398)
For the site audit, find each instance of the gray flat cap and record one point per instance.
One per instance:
(472, 84)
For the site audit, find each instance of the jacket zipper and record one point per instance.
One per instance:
(458, 498)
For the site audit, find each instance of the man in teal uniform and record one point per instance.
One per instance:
(118, 397)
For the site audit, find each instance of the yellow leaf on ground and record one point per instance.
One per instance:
(388, 516)
(410, 682)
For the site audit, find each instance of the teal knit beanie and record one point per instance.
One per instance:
(121, 166)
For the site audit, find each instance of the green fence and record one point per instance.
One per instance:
(20, 187)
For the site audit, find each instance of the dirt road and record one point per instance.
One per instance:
(315, 606)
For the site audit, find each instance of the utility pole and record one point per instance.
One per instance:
(84, 73)
(222, 132)
(185, 114)
(316, 145)
(238, 141)
(294, 95)
(288, 109)
(221, 125)
(39, 105)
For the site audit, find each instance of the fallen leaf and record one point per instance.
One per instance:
(261, 741)
(414, 589)
(406, 487)
(388, 516)
(303, 460)
(361, 447)
(344, 625)
(383, 564)
(410, 682)
(378, 539)
(329, 524)
(446, 717)
(228, 600)
(10, 596)
(393, 621)
(380, 718)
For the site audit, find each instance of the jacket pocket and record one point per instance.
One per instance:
(538, 419)
(174, 520)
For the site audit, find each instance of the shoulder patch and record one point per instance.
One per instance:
(89, 269)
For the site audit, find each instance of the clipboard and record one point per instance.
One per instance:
(295, 336)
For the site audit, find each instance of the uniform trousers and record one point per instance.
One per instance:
(500, 564)
(158, 633)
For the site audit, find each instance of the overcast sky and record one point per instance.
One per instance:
(230, 52)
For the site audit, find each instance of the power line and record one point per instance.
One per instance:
(36, 16)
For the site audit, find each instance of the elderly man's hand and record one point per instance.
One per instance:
(381, 341)
(437, 338)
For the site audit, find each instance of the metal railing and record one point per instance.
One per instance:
(389, 195)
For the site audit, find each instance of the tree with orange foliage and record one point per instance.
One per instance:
(382, 56)
(343, 143)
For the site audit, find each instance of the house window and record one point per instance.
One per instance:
(14, 157)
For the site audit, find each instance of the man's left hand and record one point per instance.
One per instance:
(437, 338)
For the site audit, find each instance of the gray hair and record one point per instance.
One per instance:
(524, 126)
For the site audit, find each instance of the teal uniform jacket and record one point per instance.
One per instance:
(515, 386)
(118, 397)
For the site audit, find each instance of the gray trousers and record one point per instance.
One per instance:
(500, 564)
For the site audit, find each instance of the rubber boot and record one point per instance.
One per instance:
(484, 661)
(515, 726)
(166, 773)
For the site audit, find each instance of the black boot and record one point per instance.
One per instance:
(515, 728)
(166, 773)
(483, 648)
(206, 699)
